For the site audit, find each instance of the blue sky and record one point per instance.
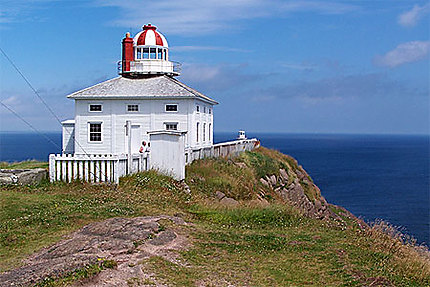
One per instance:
(274, 66)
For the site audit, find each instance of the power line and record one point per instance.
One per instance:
(30, 85)
(30, 125)
(49, 109)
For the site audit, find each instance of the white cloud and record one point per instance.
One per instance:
(337, 89)
(207, 48)
(191, 17)
(11, 100)
(404, 53)
(410, 18)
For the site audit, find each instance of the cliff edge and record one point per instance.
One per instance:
(253, 220)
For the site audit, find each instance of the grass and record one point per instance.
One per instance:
(251, 244)
(78, 274)
(30, 164)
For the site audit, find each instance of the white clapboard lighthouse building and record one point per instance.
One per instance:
(116, 116)
(143, 119)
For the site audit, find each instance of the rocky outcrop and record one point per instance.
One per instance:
(22, 176)
(124, 240)
(296, 188)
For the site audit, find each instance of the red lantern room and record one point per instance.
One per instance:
(147, 53)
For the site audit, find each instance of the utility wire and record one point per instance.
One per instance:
(30, 125)
(49, 109)
(30, 85)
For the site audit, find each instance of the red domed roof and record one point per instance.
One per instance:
(149, 36)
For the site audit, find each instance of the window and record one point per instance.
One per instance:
(198, 109)
(139, 53)
(132, 108)
(95, 108)
(171, 108)
(210, 111)
(95, 132)
(204, 110)
(209, 136)
(160, 54)
(204, 132)
(146, 53)
(171, 126)
(197, 139)
(152, 53)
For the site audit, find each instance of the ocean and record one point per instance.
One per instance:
(373, 176)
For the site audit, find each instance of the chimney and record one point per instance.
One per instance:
(127, 52)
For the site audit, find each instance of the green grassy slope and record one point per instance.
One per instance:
(255, 243)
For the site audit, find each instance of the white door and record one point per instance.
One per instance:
(136, 138)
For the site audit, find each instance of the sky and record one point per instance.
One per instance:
(358, 67)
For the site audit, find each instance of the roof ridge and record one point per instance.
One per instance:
(84, 89)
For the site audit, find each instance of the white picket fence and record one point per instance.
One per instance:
(225, 149)
(109, 168)
(95, 167)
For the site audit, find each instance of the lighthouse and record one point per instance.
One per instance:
(118, 115)
(142, 119)
(146, 54)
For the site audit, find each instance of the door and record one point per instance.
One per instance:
(136, 138)
(133, 138)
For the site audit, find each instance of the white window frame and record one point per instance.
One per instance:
(171, 104)
(209, 130)
(89, 131)
(95, 104)
(138, 108)
(204, 132)
(171, 123)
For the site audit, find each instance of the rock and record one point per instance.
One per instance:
(186, 188)
(220, 195)
(317, 204)
(229, 201)
(264, 182)
(273, 180)
(124, 240)
(163, 238)
(22, 176)
(284, 175)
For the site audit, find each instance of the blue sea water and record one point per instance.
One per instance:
(373, 176)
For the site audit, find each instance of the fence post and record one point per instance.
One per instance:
(52, 167)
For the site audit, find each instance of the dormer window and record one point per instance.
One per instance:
(95, 108)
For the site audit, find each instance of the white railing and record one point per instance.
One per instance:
(109, 168)
(94, 168)
(225, 149)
